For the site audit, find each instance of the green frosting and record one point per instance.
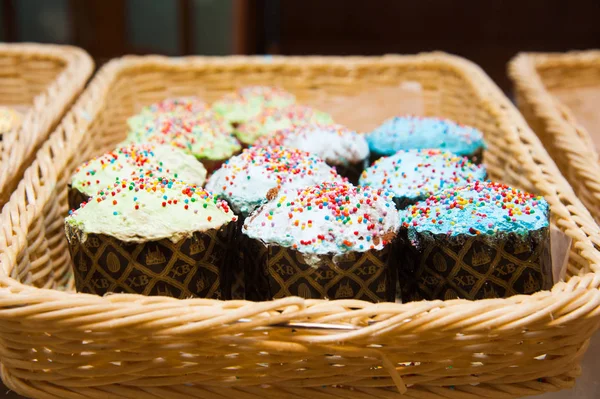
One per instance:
(272, 120)
(150, 209)
(205, 138)
(248, 102)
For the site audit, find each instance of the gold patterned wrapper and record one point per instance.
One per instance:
(280, 272)
(474, 267)
(197, 266)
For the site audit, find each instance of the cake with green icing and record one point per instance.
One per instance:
(149, 209)
(271, 120)
(134, 162)
(152, 236)
(206, 138)
(190, 106)
(247, 102)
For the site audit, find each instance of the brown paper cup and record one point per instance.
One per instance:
(474, 267)
(197, 266)
(286, 272)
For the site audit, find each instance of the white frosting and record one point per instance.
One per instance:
(148, 210)
(336, 144)
(137, 161)
(297, 219)
(244, 180)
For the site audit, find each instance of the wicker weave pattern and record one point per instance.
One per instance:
(58, 344)
(45, 80)
(567, 141)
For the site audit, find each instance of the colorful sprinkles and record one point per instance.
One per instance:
(204, 136)
(249, 176)
(184, 105)
(335, 143)
(134, 162)
(271, 120)
(420, 173)
(478, 208)
(267, 95)
(327, 218)
(149, 207)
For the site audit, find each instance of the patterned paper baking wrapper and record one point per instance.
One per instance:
(352, 171)
(473, 267)
(197, 266)
(75, 197)
(282, 272)
(476, 157)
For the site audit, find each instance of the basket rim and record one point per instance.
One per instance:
(47, 107)
(572, 217)
(560, 122)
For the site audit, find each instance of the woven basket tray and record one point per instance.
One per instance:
(559, 95)
(55, 343)
(42, 81)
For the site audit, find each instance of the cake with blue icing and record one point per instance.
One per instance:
(481, 240)
(337, 145)
(270, 120)
(133, 162)
(329, 240)
(414, 175)
(247, 180)
(248, 102)
(412, 132)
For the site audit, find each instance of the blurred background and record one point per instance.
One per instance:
(487, 32)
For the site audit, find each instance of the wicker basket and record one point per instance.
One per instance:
(42, 81)
(55, 343)
(555, 93)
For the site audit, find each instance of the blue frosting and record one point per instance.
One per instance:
(410, 132)
(415, 174)
(478, 208)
